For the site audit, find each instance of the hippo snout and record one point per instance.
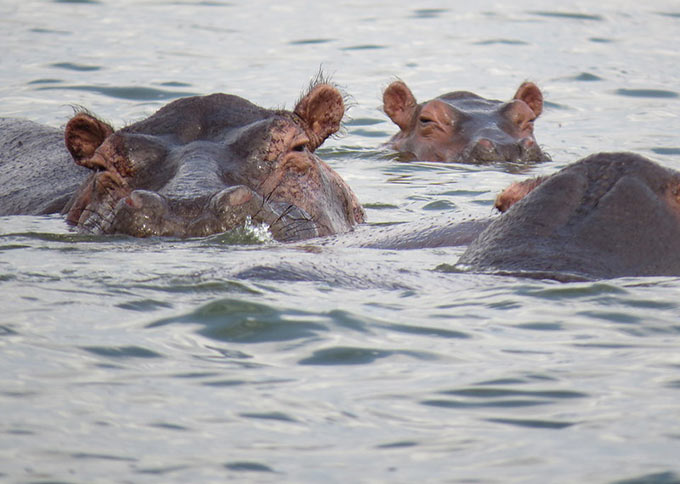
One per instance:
(485, 150)
(145, 213)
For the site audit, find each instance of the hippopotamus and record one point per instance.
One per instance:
(463, 127)
(199, 166)
(608, 215)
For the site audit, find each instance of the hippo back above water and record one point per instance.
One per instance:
(464, 127)
(608, 215)
(198, 166)
(37, 174)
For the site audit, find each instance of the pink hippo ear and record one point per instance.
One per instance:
(532, 96)
(515, 192)
(399, 104)
(83, 135)
(321, 110)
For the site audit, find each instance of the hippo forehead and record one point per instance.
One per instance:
(204, 118)
(217, 146)
(468, 101)
(472, 112)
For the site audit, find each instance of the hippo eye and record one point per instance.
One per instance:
(425, 120)
(300, 145)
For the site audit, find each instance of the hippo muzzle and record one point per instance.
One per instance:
(145, 213)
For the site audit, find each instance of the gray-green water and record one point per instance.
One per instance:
(153, 361)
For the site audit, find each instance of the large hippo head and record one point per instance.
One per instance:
(608, 215)
(464, 127)
(203, 165)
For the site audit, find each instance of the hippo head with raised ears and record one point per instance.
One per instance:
(463, 127)
(204, 165)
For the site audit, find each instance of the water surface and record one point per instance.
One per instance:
(195, 361)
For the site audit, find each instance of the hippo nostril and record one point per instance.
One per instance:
(239, 196)
(483, 150)
(223, 203)
(144, 201)
(485, 144)
(135, 200)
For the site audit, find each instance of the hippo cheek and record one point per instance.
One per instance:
(93, 205)
(309, 185)
(233, 206)
(333, 205)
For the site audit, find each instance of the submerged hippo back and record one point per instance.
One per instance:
(37, 174)
(609, 215)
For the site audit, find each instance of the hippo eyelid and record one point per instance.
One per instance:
(299, 144)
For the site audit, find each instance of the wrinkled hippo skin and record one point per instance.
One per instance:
(464, 127)
(198, 166)
(608, 215)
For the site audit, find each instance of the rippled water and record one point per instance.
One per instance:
(169, 361)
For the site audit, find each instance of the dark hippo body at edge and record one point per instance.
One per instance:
(606, 216)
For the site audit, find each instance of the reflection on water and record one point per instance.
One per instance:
(131, 93)
(653, 93)
(568, 15)
(235, 358)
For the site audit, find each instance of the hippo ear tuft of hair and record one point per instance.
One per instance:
(399, 104)
(321, 110)
(532, 96)
(83, 135)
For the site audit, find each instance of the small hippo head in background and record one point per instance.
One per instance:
(464, 127)
(204, 165)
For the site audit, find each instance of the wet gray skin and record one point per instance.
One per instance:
(204, 165)
(464, 127)
(37, 173)
(608, 215)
